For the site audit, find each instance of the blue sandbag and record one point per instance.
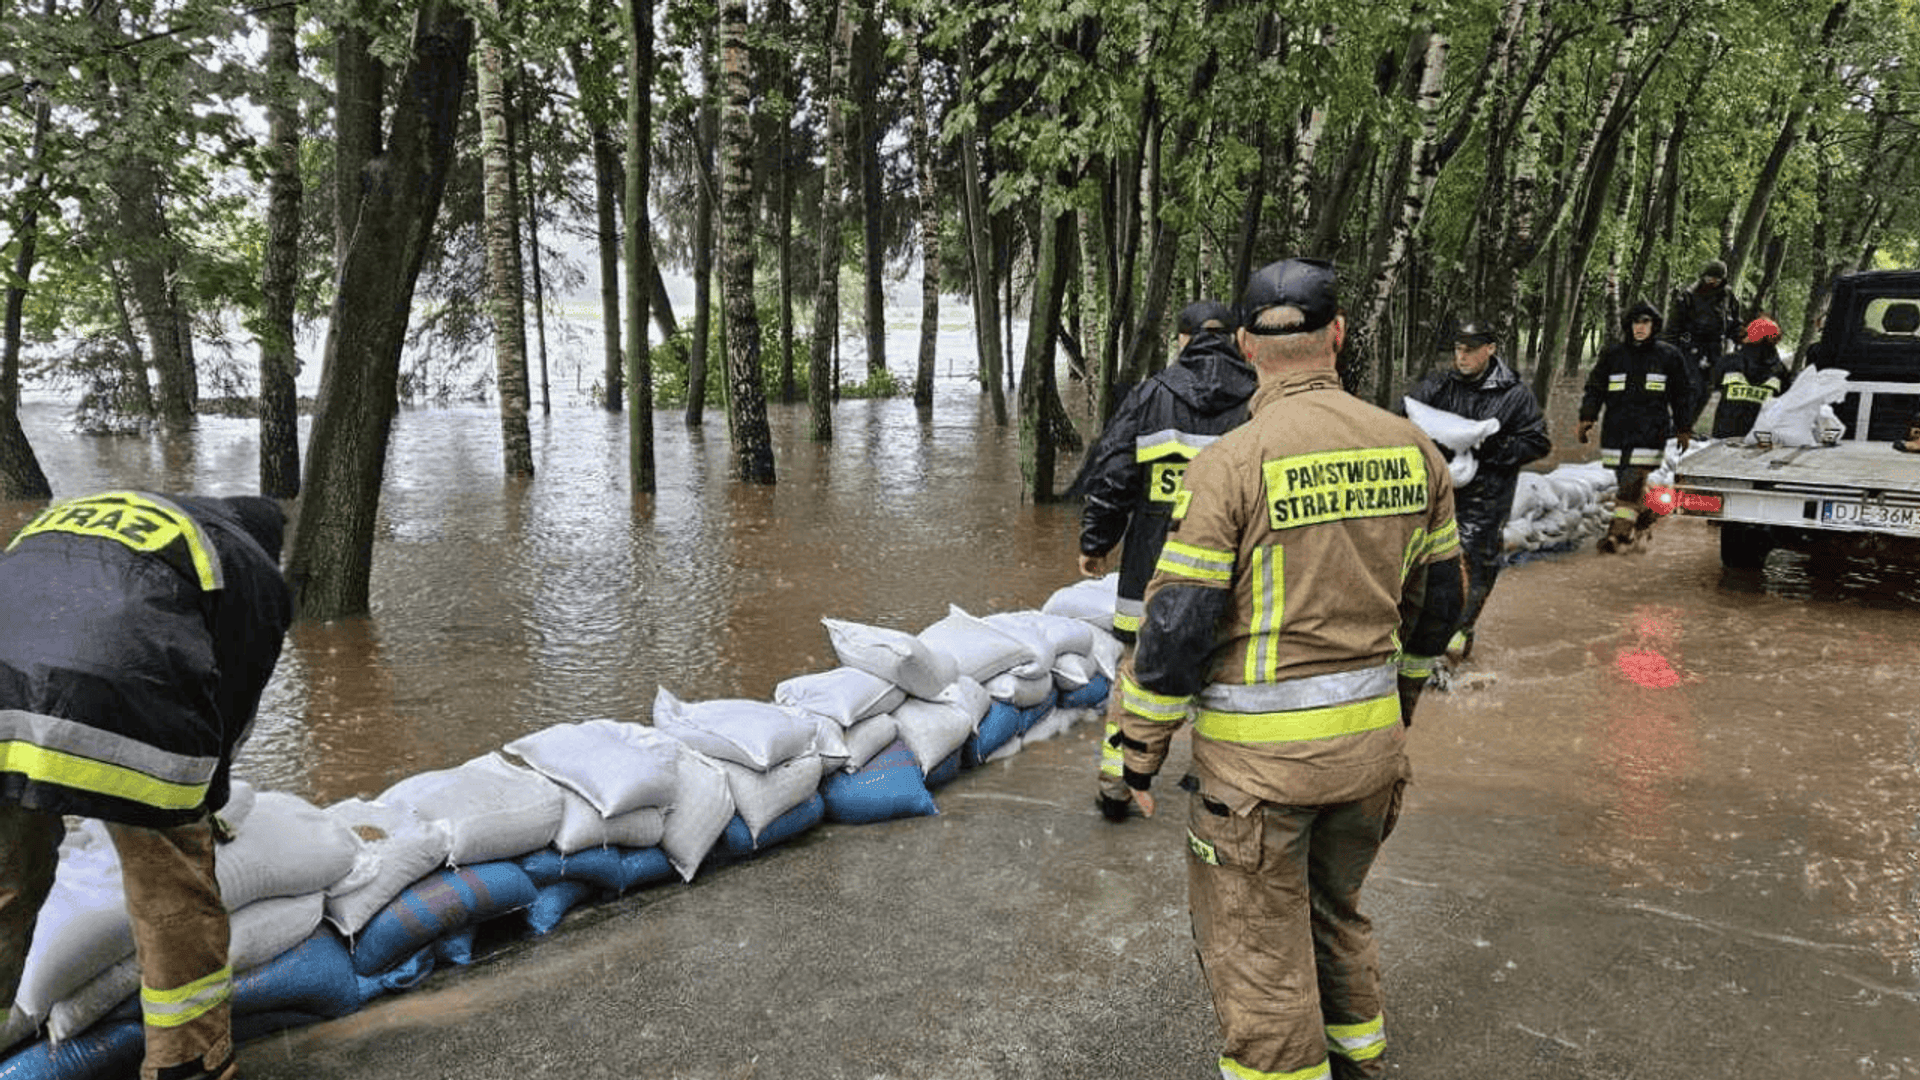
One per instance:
(405, 975)
(738, 842)
(889, 786)
(553, 903)
(617, 869)
(1091, 696)
(944, 773)
(105, 1051)
(543, 867)
(1033, 714)
(314, 977)
(996, 729)
(456, 948)
(437, 905)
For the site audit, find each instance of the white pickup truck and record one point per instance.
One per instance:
(1856, 496)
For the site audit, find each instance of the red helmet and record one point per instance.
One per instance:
(1763, 329)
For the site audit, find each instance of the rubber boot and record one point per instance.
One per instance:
(1643, 528)
(1619, 535)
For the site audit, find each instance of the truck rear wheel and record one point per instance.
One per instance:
(1744, 547)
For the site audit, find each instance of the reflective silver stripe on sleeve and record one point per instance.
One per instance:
(1312, 692)
(94, 744)
(1159, 442)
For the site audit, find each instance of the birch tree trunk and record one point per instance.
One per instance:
(637, 227)
(506, 299)
(929, 199)
(746, 398)
(280, 263)
(826, 297)
(706, 134)
(986, 302)
(1039, 397)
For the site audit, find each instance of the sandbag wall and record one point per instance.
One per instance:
(332, 908)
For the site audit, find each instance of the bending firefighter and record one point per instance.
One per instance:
(1308, 547)
(139, 634)
(1642, 385)
(1132, 477)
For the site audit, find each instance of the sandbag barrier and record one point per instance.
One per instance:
(332, 908)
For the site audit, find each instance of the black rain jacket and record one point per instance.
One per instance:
(1133, 473)
(1747, 378)
(1644, 388)
(127, 684)
(1481, 508)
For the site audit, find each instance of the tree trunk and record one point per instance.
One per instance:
(929, 193)
(153, 269)
(746, 399)
(280, 263)
(1039, 398)
(607, 180)
(517, 138)
(641, 269)
(780, 27)
(706, 134)
(873, 212)
(399, 194)
(21, 478)
(826, 297)
(506, 298)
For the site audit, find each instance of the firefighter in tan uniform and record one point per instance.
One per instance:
(1312, 573)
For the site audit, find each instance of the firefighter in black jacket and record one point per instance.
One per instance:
(1642, 384)
(1748, 378)
(1482, 386)
(1133, 474)
(1701, 319)
(139, 633)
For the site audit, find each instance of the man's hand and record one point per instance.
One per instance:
(1145, 799)
(1683, 438)
(1092, 565)
(1581, 432)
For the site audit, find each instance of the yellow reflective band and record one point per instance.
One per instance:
(185, 1004)
(1112, 761)
(1129, 623)
(1163, 480)
(1269, 604)
(1359, 1042)
(1443, 542)
(1233, 1070)
(1202, 850)
(1415, 667)
(1338, 485)
(1186, 560)
(99, 777)
(1300, 725)
(1148, 705)
(140, 523)
(1617, 381)
(1745, 391)
(1656, 381)
(1625, 512)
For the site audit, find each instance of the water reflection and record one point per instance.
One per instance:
(501, 607)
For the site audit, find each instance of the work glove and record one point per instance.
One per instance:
(1683, 438)
(1581, 432)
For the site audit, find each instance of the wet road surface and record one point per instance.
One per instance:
(1664, 826)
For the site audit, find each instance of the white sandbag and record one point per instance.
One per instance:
(846, 694)
(1463, 468)
(240, 796)
(1024, 628)
(702, 807)
(830, 742)
(583, 826)
(256, 934)
(1090, 600)
(1531, 491)
(615, 766)
(16, 1027)
(969, 697)
(757, 734)
(933, 730)
(1451, 430)
(979, 650)
(1071, 671)
(1107, 651)
(1061, 633)
(83, 927)
(1018, 692)
(397, 848)
(760, 797)
(494, 809)
(895, 655)
(1792, 417)
(287, 847)
(867, 738)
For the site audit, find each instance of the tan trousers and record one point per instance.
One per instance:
(1291, 962)
(179, 930)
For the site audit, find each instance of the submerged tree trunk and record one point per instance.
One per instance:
(826, 297)
(606, 207)
(506, 299)
(398, 196)
(986, 302)
(639, 244)
(746, 398)
(21, 478)
(872, 216)
(1039, 396)
(280, 264)
(706, 134)
(929, 199)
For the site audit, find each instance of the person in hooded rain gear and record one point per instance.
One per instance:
(1482, 386)
(1748, 378)
(1132, 476)
(1641, 384)
(140, 630)
(1701, 319)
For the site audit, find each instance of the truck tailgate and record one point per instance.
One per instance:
(1850, 469)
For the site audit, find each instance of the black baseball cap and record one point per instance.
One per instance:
(1306, 284)
(1196, 316)
(1476, 333)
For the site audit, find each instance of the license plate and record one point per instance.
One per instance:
(1853, 515)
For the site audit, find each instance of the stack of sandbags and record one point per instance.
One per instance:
(1559, 510)
(879, 779)
(941, 708)
(1090, 600)
(1067, 648)
(1017, 679)
(767, 753)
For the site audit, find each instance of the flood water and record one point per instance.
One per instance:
(502, 608)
